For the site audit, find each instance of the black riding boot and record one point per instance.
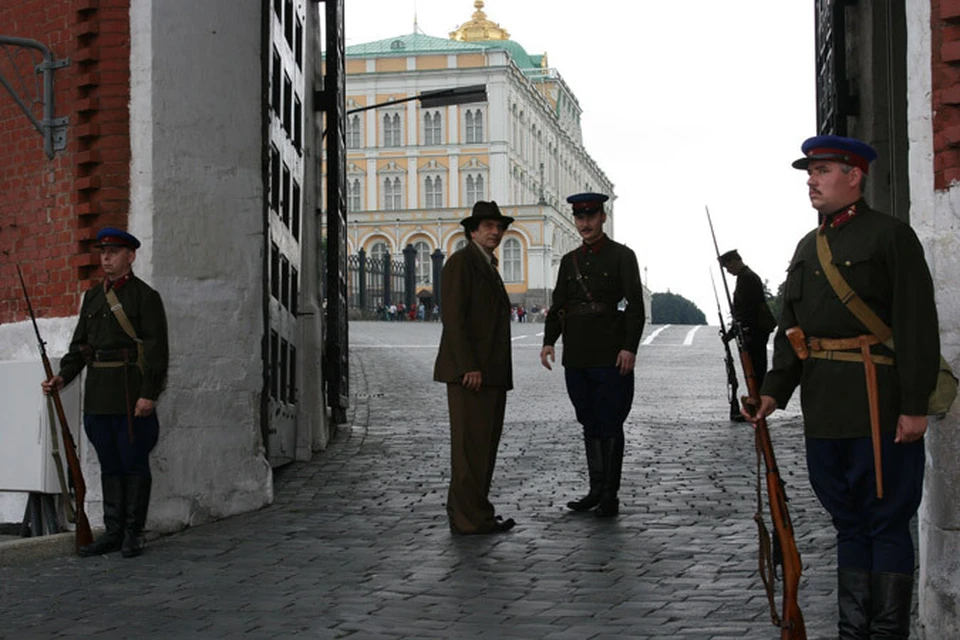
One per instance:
(853, 599)
(891, 595)
(612, 452)
(595, 469)
(113, 518)
(138, 499)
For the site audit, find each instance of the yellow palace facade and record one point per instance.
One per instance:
(413, 173)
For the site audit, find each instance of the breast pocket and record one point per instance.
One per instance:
(793, 287)
(857, 268)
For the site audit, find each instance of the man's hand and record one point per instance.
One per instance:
(144, 408)
(53, 384)
(910, 428)
(472, 381)
(547, 352)
(626, 361)
(767, 406)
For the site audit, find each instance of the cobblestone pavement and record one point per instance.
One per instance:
(356, 544)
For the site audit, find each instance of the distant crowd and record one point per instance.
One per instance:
(423, 313)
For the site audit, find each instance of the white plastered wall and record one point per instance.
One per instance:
(934, 216)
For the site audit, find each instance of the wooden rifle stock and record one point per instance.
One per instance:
(84, 534)
(790, 620)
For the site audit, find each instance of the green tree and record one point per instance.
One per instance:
(775, 302)
(671, 308)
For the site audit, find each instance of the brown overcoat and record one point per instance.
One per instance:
(475, 311)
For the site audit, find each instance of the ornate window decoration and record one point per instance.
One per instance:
(354, 132)
(432, 177)
(391, 178)
(392, 129)
(432, 128)
(473, 124)
(474, 176)
(355, 185)
(511, 262)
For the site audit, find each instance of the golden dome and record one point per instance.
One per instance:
(479, 28)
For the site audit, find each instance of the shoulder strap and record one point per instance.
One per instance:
(848, 296)
(124, 321)
(576, 269)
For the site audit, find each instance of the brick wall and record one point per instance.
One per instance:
(50, 210)
(945, 59)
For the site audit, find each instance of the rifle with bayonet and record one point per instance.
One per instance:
(84, 535)
(783, 551)
(732, 384)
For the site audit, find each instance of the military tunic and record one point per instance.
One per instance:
(593, 339)
(882, 260)
(106, 389)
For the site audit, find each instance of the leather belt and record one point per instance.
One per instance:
(114, 358)
(838, 349)
(588, 308)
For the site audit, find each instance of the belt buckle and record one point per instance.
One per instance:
(814, 344)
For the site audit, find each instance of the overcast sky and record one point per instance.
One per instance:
(685, 104)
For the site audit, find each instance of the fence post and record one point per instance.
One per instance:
(362, 255)
(437, 258)
(387, 275)
(410, 275)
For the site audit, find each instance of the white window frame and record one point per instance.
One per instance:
(392, 129)
(473, 121)
(423, 265)
(392, 192)
(511, 261)
(433, 196)
(432, 128)
(354, 132)
(473, 193)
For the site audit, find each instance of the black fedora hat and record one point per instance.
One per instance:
(483, 210)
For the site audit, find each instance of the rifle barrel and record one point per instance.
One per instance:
(84, 535)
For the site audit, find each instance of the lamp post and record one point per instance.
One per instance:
(331, 101)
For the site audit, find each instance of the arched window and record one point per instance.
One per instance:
(424, 266)
(354, 133)
(432, 128)
(474, 125)
(392, 194)
(511, 265)
(391, 130)
(474, 184)
(460, 244)
(379, 251)
(433, 192)
(354, 196)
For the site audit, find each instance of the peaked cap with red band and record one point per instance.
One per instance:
(851, 151)
(584, 203)
(111, 237)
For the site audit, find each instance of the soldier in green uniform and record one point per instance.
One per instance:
(600, 340)
(883, 262)
(121, 338)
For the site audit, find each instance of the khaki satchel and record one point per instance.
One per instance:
(946, 390)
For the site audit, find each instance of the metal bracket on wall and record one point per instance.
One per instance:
(13, 52)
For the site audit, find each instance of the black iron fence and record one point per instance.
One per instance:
(387, 289)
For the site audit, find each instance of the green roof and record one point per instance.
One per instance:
(412, 43)
(418, 43)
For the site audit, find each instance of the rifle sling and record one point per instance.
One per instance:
(124, 321)
(880, 331)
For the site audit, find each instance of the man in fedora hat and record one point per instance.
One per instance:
(121, 338)
(474, 361)
(859, 397)
(600, 341)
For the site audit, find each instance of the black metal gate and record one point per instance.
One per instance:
(833, 99)
(332, 102)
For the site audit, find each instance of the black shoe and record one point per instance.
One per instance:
(607, 508)
(107, 543)
(502, 526)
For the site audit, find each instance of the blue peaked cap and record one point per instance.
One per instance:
(112, 237)
(587, 202)
(856, 153)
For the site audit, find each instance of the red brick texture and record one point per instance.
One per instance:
(50, 209)
(945, 59)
